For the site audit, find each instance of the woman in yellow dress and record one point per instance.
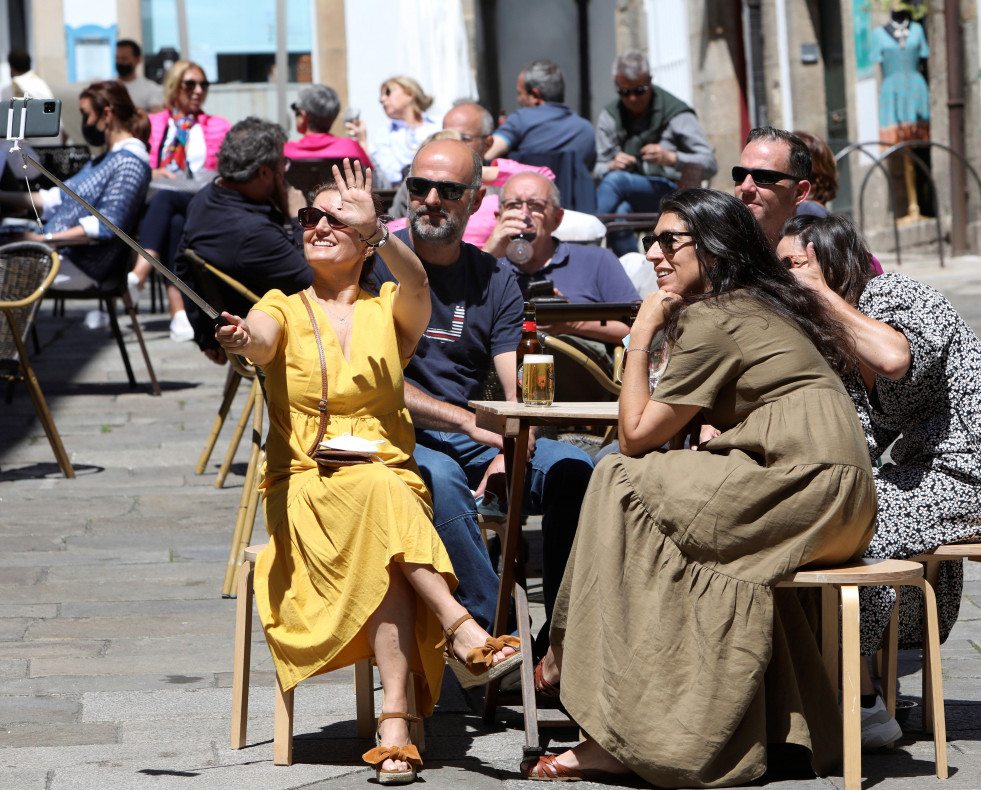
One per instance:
(354, 567)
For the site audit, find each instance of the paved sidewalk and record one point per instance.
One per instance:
(116, 647)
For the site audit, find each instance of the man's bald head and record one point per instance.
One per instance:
(473, 123)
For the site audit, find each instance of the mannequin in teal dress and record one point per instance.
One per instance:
(904, 100)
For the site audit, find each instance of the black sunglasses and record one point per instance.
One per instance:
(310, 217)
(447, 190)
(296, 110)
(191, 85)
(640, 90)
(760, 175)
(665, 240)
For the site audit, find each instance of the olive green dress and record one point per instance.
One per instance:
(679, 656)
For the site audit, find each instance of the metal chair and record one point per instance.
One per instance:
(106, 293)
(27, 270)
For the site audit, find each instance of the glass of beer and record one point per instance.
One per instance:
(538, 380)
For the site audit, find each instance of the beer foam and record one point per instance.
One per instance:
(537, 358)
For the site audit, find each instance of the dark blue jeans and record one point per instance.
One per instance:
(452, 465)
(621, 192)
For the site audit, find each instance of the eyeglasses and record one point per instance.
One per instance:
(468, 138)
(665, 240)
(761, 176)
(640, 90)
(191, 85)
(447, 190)
(311, 215)
(535, 206)
(287, 163)
(793, 261)
(296, 110)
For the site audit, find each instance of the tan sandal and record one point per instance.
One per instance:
(407, 754)
(480, 667)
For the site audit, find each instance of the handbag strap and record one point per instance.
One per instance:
(322, 406)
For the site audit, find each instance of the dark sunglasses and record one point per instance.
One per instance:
(665, 240)
(296, 110)
(447, 190)
(760, 175)
(191, 85)
(311, 215)
(640, 90)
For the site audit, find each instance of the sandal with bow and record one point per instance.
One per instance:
(406, 754)
(480, 667)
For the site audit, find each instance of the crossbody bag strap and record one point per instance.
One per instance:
(322, 406)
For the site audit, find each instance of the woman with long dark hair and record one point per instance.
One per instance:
(920, 382)
(115, 182)
(670, 646)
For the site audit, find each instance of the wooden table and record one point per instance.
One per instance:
(513, 421)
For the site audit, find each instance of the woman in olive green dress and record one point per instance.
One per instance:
(670, 646)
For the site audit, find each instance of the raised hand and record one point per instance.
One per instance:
(808, 273)
(356, 207)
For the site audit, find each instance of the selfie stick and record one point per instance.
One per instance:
(181, 285)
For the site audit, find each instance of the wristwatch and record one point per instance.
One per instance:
(49, 237)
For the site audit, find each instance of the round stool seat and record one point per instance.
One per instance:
(861, 572)
(952, 551)
(252, 552)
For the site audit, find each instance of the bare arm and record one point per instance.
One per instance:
(256, 337)
(607, 332)
(879, 347)
(498, 148)
(646, 424)
(412, 306)
(436, 415)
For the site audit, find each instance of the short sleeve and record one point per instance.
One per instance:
(275, 305)
(704, 359)
(511, 131)
(506, 330)
(922, 314)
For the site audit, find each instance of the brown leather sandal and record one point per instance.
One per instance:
(480, 667)
(407, 754)
(549, 769)
(542, 686)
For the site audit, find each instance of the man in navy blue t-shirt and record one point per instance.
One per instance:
(475, 325)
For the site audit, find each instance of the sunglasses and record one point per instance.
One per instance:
(311, 215)
(447, 190)
(296, 110)
(191, 85)
(665, 240)
(761, 176)
(640, 90)
(535, 206)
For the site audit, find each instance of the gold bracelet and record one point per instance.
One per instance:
(637, 349)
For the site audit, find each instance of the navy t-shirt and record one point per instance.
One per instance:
(548, 128)
(477, 312)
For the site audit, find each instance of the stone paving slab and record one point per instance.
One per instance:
(116, 648)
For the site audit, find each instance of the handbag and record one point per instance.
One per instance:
(328, 457)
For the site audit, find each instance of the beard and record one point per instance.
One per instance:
(449, 230)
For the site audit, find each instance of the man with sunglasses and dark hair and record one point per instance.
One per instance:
(643, 139)
(773, 177)
(475, 328)
(238, 224)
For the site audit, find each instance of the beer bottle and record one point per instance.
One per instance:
(529, 341)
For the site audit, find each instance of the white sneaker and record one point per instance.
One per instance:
(180, 328)
(96, 319)
(878, 727)
(133, 286)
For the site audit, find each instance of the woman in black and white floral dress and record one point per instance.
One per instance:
(921, 365)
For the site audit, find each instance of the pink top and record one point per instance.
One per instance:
(876, 266)
(214, 127)
(482, 221)
(320, 145)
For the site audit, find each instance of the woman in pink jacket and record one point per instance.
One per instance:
(184, 141)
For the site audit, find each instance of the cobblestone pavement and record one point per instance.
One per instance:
(116, 647)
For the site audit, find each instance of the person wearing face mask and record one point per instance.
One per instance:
(184, 141)
(115, 183)
(146, 94)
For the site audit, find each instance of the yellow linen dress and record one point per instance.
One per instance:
(334, 535)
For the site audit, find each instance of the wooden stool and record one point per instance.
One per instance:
(842, 584)
(283, 722)
(931, 560)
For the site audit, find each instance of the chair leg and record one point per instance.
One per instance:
(931, 669)
(364, 697)
(829, 633)
(243, 655)
(47, 421)
(283, 726)
(888, 675)
(131, 311)
(243, 421)
(851, 687)
(116, 333)
(231, 387)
